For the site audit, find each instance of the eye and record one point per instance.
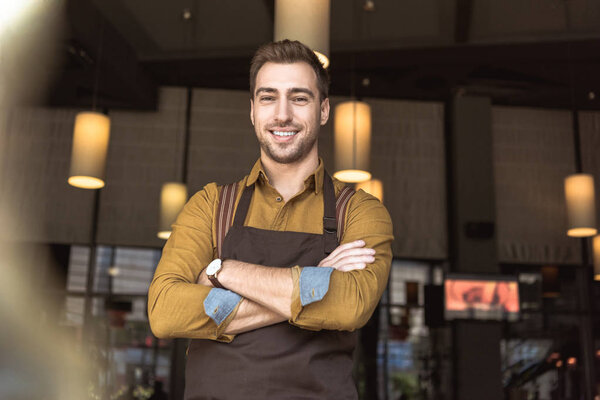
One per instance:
(300, 99)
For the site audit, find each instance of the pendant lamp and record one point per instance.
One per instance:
(306, 21)
(374, 187)
(596, 250)
(352, 131)
(90, 145)
(173, 196)
(581, 205)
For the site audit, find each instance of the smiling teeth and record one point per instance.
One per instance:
(279, 133)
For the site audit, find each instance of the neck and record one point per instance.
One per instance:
(288, 179)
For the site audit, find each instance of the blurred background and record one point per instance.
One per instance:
(484, 135)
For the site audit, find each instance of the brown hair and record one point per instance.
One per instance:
(288, 52)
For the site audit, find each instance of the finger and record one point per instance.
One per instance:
(363, 258)
(353, 260)
(352, 267)
(340, 248)
(363, 251)
(367, 255)
(352, 252)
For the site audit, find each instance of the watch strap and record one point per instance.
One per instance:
(213, 279)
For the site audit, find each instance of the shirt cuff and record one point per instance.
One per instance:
(314, 284)
(220, 303)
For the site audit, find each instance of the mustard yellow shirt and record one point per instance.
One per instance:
(175, 301)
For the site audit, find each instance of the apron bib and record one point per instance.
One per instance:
(280, 361)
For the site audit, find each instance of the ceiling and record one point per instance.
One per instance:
(541, 53)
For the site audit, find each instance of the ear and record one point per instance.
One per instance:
(252, 111)
(324, 111)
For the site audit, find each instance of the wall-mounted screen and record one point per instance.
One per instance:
(481, 297)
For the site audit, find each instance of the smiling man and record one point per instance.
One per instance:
(271, 276)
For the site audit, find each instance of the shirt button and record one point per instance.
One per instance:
(278, 198)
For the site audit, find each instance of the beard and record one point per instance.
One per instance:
(287, 153)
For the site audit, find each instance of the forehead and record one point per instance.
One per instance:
(284, 76)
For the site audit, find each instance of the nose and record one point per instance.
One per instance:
(283, 112)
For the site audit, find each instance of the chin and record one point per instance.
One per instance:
(285, 159)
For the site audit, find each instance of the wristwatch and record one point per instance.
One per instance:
(212, 270)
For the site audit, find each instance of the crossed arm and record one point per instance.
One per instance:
(270, 295)
(267, 291)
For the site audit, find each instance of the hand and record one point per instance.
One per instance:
(349, 256)
(203, 279)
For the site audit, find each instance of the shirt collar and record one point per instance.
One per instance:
(315, 178)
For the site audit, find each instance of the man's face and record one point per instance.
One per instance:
(286, 111)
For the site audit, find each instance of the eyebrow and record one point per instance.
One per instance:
(292, 90)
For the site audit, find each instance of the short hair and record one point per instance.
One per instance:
(288, 52)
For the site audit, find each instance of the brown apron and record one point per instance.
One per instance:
(280, 361)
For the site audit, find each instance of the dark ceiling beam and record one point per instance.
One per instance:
(270, 6)
(99, 63)
(462, 21)
(531, 74)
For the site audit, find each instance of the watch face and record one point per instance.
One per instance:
(213, 267)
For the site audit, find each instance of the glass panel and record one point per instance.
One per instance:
(133, 270)
(404, 347)
(407, 271)
(130, 361)
(78, 263)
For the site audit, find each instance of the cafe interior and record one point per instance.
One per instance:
(480, 128)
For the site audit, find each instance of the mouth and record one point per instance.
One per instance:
(283, 134)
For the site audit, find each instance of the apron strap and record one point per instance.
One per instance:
(330, 226)
(334, 212)
(341, 205)
(225, 213)
(243, 206)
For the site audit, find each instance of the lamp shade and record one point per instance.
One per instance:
(373, 187)
(581, 205)
(596, 249)
(352, 130)
(306, 21)
(173, 197)
(90, 145)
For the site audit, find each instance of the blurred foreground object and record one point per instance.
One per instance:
(39, 360)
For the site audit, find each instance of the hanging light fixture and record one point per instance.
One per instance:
(91, 134)
(596, 250)
(90, 145)
(373, 187)
(173, 197)
(581, 205)
(352, 136)
(306, 21)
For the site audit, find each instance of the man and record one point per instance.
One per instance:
(274, 316)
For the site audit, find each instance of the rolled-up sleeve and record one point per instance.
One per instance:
(351, 297)
(220, 303)
(314, 284)
(176, 303)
